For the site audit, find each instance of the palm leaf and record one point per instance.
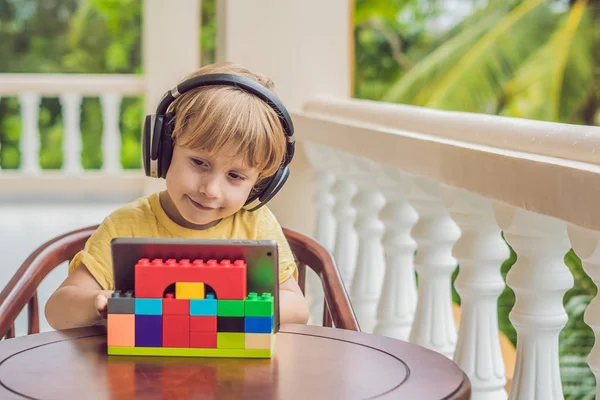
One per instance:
(552, 83)
(467, 72)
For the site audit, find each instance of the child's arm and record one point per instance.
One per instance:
(79, 301)
(293, 307)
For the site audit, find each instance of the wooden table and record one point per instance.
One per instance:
(310, 363)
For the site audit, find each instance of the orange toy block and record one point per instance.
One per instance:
(228, 279)
(258, 340)
(203, 339)
(120, 330)
(176, 330)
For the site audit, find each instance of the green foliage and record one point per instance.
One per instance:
(524, 58)
(78, 36)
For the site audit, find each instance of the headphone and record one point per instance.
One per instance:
(157, 144)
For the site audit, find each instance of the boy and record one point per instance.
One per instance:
(226, 143)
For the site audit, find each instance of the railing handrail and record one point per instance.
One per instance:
(560, 140)
(557, 187)
(82, 84)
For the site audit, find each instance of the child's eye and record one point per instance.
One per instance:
(236, 176)
(198, 162)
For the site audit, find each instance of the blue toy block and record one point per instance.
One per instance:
(148, 330)
(148, 306)
(206, 307)
(258, 324)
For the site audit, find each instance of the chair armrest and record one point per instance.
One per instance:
(24, 283)
(320, 260)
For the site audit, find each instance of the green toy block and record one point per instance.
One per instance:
(231, 340)
(189, 352)
(255, 306)
(230, 308)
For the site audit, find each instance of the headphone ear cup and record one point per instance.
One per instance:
(146, 137)
(273, 186)
(166, 146)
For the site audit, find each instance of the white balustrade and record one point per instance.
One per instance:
(396, 309)
(435, 234)
(539, 279)
(480, 252)
(70, 90)
(586, 244)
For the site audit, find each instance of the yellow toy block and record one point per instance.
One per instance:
(120, 330)
(185, 352)
(230, 340)
(189, 290)
(259, 340)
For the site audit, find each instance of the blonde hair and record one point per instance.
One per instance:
(215, 117)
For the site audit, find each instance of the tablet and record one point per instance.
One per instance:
(260, 256)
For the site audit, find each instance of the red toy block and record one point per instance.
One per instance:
(176, 330)
(226, 278)
(203, 340)
(173, 306)
(203, 323)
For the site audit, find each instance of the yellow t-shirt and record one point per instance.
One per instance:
(145, 217)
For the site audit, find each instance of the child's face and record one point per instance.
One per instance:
(207, 189)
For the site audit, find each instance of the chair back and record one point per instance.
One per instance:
(21, 290)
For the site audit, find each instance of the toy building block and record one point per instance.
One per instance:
(175, 331)
(230, 324)
(173, 306)
(189, 290)
(226, 278)
(230, 308)
(230, 340)
(258, 324)
(201, 323)
(195, 352)
(204, 307)
(121, 303)
(203, 339)
(256, 306)
(120, 330)
(148, 306)
(148, 330)
(259, 340)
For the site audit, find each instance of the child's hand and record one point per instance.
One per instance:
(101, 302)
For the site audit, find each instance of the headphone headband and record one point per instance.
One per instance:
(157, 142)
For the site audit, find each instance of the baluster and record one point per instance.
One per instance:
(435, 234)
(370, 263)
(586, 244)
(480, 252)
(325, 224)
(346, 239)
(395, 313)
(30, 134)
(72, 144)
(111, 135)
(539, 279)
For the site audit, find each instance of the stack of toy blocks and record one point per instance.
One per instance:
(190, 321)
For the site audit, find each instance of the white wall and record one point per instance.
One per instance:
(305, 47)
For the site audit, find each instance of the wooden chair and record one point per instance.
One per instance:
(22, 288)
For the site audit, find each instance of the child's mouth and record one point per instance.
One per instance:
(200, 206)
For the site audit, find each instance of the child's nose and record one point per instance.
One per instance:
(211, 188)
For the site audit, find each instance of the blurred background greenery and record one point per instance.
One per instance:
(536, 59)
